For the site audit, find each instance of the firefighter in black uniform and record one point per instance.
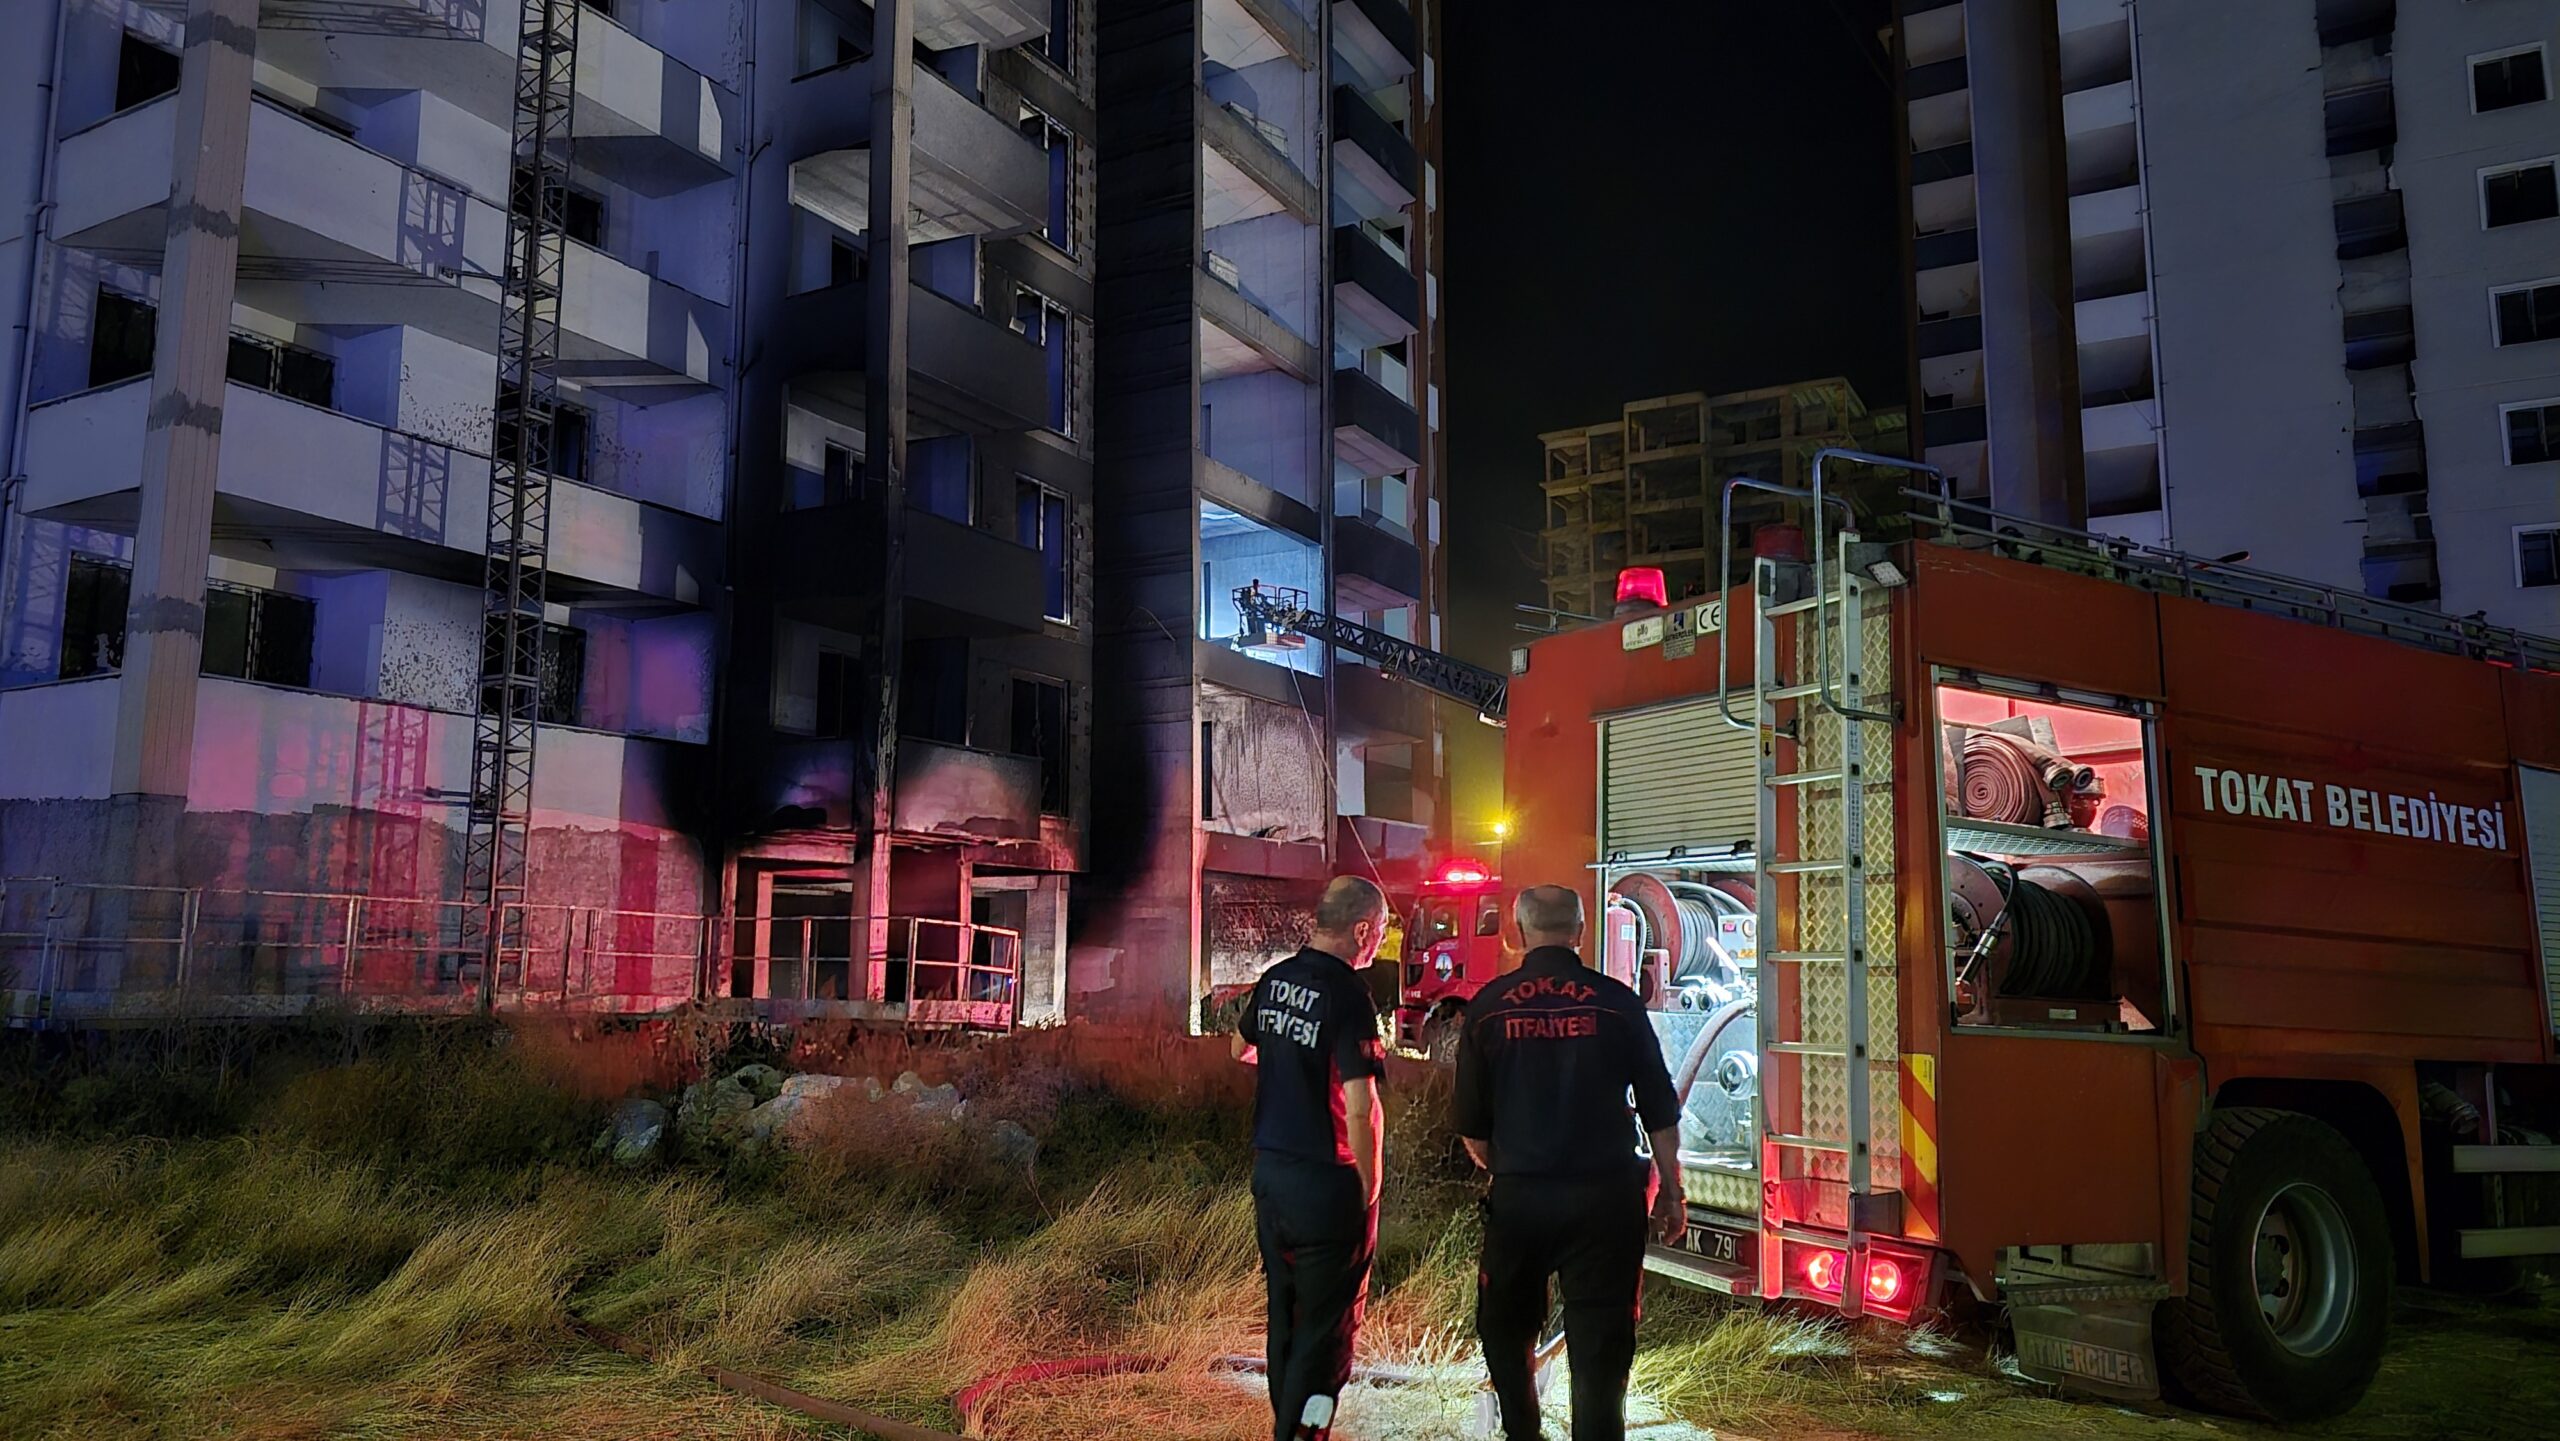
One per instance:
(1545, 1064)
(1312, 1030)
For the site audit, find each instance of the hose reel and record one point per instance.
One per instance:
(2030, 930)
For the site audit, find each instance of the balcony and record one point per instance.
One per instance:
(961, 581)
(1956, 336)
(1370, 705)
(1953, 427)
(1239, 337)
(1376, 172)
(995, 24)
(1375, 566)
(1376, 298)
(1376, 38)
(953, 791)
(335, 234)
(1927, 82)
(1244, 174)
(644, 119)
(1955, 247)
(1947, 162)
(641, 116)
(1373, 429)
(268, 751)
(316, 205)
(961, 366)
(972, 173)
(303, 488)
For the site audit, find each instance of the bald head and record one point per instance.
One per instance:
(1549, 916)
(1351, 920)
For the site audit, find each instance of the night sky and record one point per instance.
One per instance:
(1644, 199)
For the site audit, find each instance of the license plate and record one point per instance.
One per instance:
(1712, 1244)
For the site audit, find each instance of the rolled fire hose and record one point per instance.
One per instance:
(2017, 782)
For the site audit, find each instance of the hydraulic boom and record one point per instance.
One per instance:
(1274, 614)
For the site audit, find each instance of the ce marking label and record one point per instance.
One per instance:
(1698, 620)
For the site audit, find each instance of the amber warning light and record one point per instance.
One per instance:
(1642, 585)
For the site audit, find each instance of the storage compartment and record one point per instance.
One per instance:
(2053, 914)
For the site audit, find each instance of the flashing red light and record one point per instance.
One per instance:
(1464, 873)
(1822, 1270)
(1884, 1280)
(1643, 583)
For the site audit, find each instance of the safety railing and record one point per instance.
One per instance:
(941, 972)
(74, 950)
(1975, 525)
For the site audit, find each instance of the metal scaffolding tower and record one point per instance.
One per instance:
(516, 574)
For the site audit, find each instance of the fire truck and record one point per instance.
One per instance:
(2162, 952)
(1453, 946)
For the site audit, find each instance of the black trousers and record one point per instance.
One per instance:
(1589, 1233)
(1318, 1237)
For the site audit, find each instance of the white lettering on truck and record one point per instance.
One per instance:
(2420, 818)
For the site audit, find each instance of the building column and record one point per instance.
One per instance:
(884, 432)
(182, 444)
(2030, 338)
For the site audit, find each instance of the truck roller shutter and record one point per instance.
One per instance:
(2541, 790)
(1678, 776)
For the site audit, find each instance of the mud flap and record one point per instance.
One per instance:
(2092, 1347)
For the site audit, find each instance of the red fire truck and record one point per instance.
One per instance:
(1453, 944)
(2162, 952)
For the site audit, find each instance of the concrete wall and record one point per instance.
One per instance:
(2254, 399)
(1265, 425)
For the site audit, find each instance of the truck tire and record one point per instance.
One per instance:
(2288, 1271)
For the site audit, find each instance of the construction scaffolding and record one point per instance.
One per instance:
(516, 575)
(1643, 489)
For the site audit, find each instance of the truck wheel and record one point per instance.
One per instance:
(2288, 1271)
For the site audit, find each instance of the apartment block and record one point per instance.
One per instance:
(1647, 488)
(274, 275)
(1268, 410)
(2310, 279)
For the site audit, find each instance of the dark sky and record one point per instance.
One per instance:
(1644, 197)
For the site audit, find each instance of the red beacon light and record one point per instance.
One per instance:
(1463, 873)
(1642, 585)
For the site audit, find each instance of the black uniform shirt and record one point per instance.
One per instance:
(1544, 1066)
(1313, 1027)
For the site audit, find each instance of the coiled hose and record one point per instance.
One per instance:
(2017, 782)
(1699, 911)
(2053, 945)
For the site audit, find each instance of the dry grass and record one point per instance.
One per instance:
(384, 1248)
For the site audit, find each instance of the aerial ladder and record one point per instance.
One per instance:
(1279, 617)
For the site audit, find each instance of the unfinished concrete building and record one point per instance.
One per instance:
(1646, 488)
(541, 501)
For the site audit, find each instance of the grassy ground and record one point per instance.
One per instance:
(379, 1238)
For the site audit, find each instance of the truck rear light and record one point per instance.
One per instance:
(1822, 1270)
(1884, 1280)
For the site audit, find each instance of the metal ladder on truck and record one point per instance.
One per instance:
(1831, 592)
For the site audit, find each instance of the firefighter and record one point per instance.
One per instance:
(1545, 1064)
(1312, 1032)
